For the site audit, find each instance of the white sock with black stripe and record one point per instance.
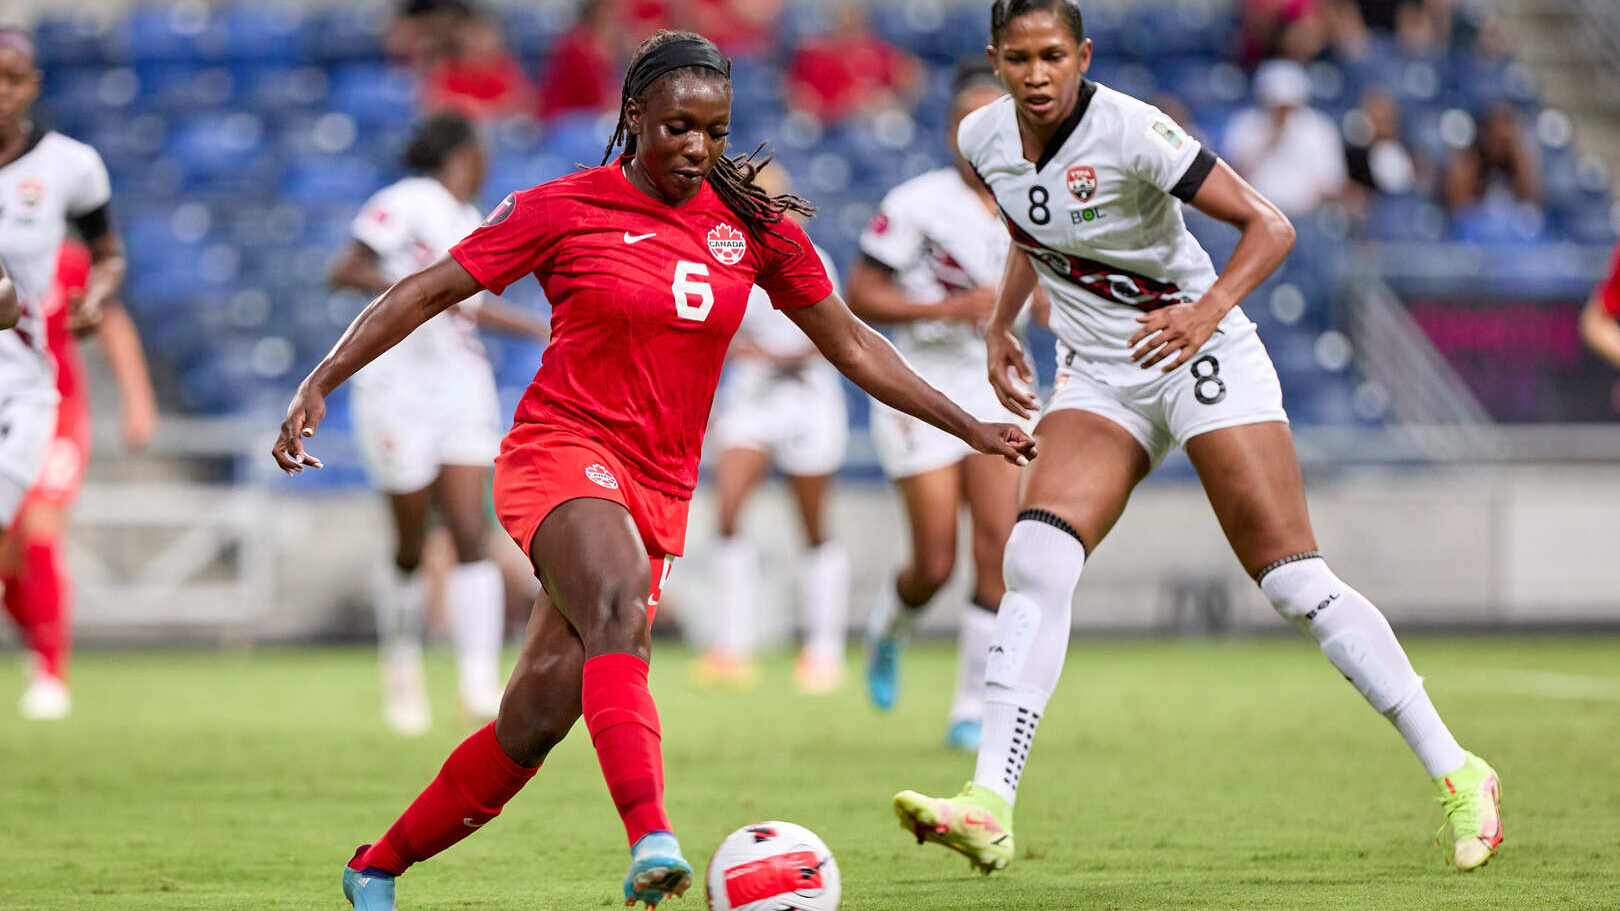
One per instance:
(1041, 565)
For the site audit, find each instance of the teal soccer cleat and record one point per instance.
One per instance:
(369, 889)
(883, 672)
(963, 736)
(657, 870)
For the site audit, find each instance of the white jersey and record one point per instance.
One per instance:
(1100, 217)
(936, 234)
(409, 225)
(56, 180)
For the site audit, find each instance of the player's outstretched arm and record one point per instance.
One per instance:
(868, 359)
(1175, 334)
(121, 345)
(1599, 330)
(412, 301)
(107, 267)
(505, 318)
(10, 308)
(874, 295)
(1011, 375)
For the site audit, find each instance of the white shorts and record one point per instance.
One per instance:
(798, 416)
(907, 446)
(405, 433)
(1229, 384)
(27, 426)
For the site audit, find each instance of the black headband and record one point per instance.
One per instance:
(676, 54)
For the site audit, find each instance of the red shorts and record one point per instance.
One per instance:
(63, 472)
(542, 467)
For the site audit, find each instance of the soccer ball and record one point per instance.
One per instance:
(772, 866)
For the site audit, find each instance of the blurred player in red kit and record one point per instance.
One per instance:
(648, 262)
(48, 182)
(1600, 320)
(32, 570)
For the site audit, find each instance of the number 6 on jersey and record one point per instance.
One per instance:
(685, 287)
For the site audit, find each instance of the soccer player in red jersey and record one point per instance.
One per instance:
(31, 567)
(648, 262)
(1600, 320)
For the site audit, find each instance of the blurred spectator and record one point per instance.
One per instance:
(1501, 165)
(1295, 29)
(741, 28)
(464, 63)
(1289, 151)
(583, 72)
(415, 36)
(849, 70)
(1379, 160)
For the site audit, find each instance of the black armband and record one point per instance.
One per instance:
(1197, 172)
(94, 225)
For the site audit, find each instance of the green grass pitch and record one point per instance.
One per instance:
(1182, 774)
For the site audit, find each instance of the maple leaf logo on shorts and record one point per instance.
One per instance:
(727, 244)
(601, 477)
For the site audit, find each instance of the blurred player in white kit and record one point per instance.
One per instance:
(781, 402)
(47, 181)
(931, 259)
(428, 423)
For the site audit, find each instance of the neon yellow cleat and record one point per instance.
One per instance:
(976, 823)
(1472, 797)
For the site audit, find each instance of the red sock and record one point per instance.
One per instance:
(36, 597)
(623, 722)
(470, 790)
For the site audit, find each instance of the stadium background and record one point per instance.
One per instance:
(1461, 445)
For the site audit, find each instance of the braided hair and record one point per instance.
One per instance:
(732, 177)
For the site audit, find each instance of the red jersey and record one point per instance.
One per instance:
(1609, 290)
(72, 274)
(645, 298)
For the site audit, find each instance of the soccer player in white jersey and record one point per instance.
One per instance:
(1154, 353)
(46, 182)
(780, 401)
(427, 422)
(930, 260)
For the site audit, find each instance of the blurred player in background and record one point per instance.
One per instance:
(780, 401)
(649, 276)
(428, 424)
(47, 182)
(33, 570)
(1154, 353)
(1600, 318)
(929, 266)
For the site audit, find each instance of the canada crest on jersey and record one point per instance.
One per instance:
(727, 244)
(1082, 181)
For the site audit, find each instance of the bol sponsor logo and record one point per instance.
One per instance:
(727, 244)
(601, 477)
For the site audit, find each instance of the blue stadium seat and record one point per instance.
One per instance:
(373, 93)
(65, 40)
(1405, 218)
(178, 32)
(336, 179)
(266, 31)
(348, 32)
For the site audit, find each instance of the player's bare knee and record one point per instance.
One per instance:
(471, 541)
(616, 622)
(933, 570)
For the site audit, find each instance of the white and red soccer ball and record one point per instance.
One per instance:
(772, 866)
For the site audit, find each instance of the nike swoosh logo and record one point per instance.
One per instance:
(637, 238)
(468, 822)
